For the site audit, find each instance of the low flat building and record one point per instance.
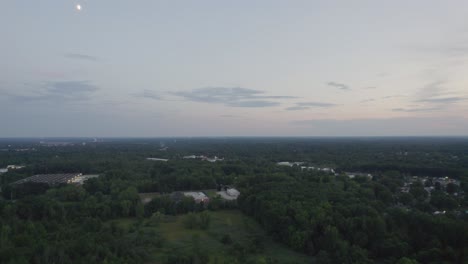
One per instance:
(352, 175)
(82, 178)
(51, 179)
(157, 159)
(14, 167)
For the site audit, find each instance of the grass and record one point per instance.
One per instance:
(239, 227)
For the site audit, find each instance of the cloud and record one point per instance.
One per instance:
(316, 104)
(435, 93)
(412, 110)
(393, 96)
(296, 108)
(368, 100)
(258, 103)
(445, 100)
(79, 56)
(148, 94)
(308, 105)
(339, 85)
(370, 87)
(60, 91)
(410, 126)
(234, 97)
(431, 90)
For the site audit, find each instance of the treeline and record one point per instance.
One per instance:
(339, 220)
(69, 225)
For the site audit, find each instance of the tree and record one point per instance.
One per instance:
(406, 260)
(205, 220)
(125, 207)
(139, 210)
(156, 218)
(451, 188)
(190, 221)
(226, 239)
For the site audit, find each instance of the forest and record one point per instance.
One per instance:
(284, 214)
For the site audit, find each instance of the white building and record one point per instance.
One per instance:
(197, 196)
(232, 192)
(157, 159)
(80, 179)
(229, 194)
(14, 167)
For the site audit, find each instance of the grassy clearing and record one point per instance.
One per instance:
(239, 227)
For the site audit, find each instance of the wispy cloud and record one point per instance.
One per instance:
(148, 94)
(258, 103)
(393, 96)
(234, 97)
(413, 110)
(368, 100)
(444, 100)
(316, 104)
(79, 56)
(338, 85)
(297, 108)
(436, 93)
(59, 92)
(308, 105)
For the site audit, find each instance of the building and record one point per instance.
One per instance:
(352, 175)
(157, 159)
(215, 159)
(233, 192)
(82, 178)
(11, 167)
(51, 179)
(229, 194)
(14, 167)
(198, 197)
(290, 164)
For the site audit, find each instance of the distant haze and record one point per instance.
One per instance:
(233, 68)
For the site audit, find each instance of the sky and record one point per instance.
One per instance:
(151, 68)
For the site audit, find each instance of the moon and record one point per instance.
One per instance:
(78, 7)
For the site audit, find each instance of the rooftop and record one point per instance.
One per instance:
(50, 178)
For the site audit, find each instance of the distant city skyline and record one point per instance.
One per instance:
(101, 68)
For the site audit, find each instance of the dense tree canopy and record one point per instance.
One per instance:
(330, 217)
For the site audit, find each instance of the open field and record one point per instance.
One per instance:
(240, 228)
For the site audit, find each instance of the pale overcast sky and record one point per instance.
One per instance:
(233, 68)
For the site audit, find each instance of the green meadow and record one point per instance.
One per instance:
(231, 237)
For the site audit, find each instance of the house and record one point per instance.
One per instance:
(197, 196)
(229, 194)
(233, 192)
